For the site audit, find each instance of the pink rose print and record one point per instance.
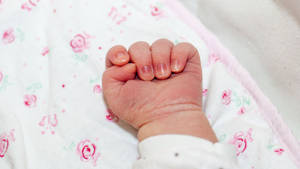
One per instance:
(33, 2)
(5, 139)
(29, 4)
(118, 15)
(88, 151)
(1, 77)
(30, 100)
(48, 122)
(155, 11)
(78, 43)
(213, 58)
(204, 92)
(241, 140)
(4, 143)
(45, 51)
(97, 89)
(279, 151)
(111, 116)
(226, 97)
(25, 6)
(242, 110)
(8, 36)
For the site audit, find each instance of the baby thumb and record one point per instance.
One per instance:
(114, 77)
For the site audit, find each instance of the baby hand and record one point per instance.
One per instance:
(157, 89)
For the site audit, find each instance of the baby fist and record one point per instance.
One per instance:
(157, 86)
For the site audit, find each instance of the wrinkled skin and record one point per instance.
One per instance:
(140, 98)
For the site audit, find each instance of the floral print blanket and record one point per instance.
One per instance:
(52, 114)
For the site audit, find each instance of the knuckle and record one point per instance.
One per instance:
(187, 45)
(139, 44)
(162, 42)
(186, 48)
(140, 51)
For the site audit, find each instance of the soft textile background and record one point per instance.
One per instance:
(265, 38)
(51, 107)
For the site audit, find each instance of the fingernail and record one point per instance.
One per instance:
(175, 65)
(121, 57)
(161, 68)
(147, 69)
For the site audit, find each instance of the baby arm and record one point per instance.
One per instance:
(158, 90)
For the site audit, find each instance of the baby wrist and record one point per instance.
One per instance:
(192, 123)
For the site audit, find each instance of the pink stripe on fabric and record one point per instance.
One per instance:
(268, 110)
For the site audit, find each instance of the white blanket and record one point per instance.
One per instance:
(264, 36)
(52, 57)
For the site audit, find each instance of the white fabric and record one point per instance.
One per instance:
(180, 151)
(264, 36)
(52, 56)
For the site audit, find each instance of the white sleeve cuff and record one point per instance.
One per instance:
(182, 151)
